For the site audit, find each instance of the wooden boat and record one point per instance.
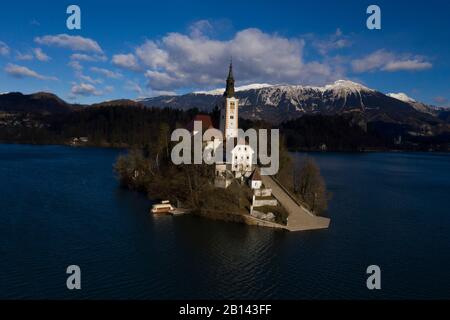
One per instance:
(162, 208)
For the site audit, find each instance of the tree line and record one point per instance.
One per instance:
(146, 132)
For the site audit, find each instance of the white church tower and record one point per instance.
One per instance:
(229, 111)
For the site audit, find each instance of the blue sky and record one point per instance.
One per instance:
(130, 49)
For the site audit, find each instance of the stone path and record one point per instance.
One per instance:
(300, 219)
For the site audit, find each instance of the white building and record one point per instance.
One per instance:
(242, 159)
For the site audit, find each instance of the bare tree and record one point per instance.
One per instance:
(310, 186)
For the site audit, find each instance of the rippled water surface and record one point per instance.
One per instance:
(61, 206)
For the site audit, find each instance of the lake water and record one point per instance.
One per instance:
(61, 206)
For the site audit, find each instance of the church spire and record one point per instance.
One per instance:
(229, 91)
(230, 71)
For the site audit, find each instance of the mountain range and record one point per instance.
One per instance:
(275, 104)
(343, 116)
(279, 103)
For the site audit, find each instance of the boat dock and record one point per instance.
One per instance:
(179, 211)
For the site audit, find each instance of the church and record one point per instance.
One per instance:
(236, 163)
(240, 160)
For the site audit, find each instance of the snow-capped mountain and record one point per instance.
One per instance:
(219, 92)
(419, 106)
(401, 96)
(277, 103)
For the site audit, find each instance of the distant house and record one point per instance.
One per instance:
(255, 181)
(79, 140)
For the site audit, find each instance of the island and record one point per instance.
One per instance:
(234, 188)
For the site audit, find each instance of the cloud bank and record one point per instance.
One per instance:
(17, 71)
(75, 43)
(197, 61)
(85, 90)
(383, 60)
(107, 73)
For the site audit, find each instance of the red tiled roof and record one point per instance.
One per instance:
(255, 175)
(204, 119)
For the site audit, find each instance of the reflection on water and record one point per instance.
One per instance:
(62, 206)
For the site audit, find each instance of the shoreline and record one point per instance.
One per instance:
(126, 147)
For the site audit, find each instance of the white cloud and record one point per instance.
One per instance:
(197, 61)
(24, 56)
(160, 80)
(78, 70)
(135, 87)
(382, 60)
(200, 28)
(24, 72)
(85, 90)
(143, 92)
(408, 65)
(36, 52)
(76, 43)
(156, 93)
(88, 58)
(126, 61)
(4, 49)
(373, 61)
(75, 65)
(333, 42)
(89, 79)
(107, 73)
(40, 55)
(151, 55)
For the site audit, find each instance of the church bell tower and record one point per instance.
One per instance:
(229, 111)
